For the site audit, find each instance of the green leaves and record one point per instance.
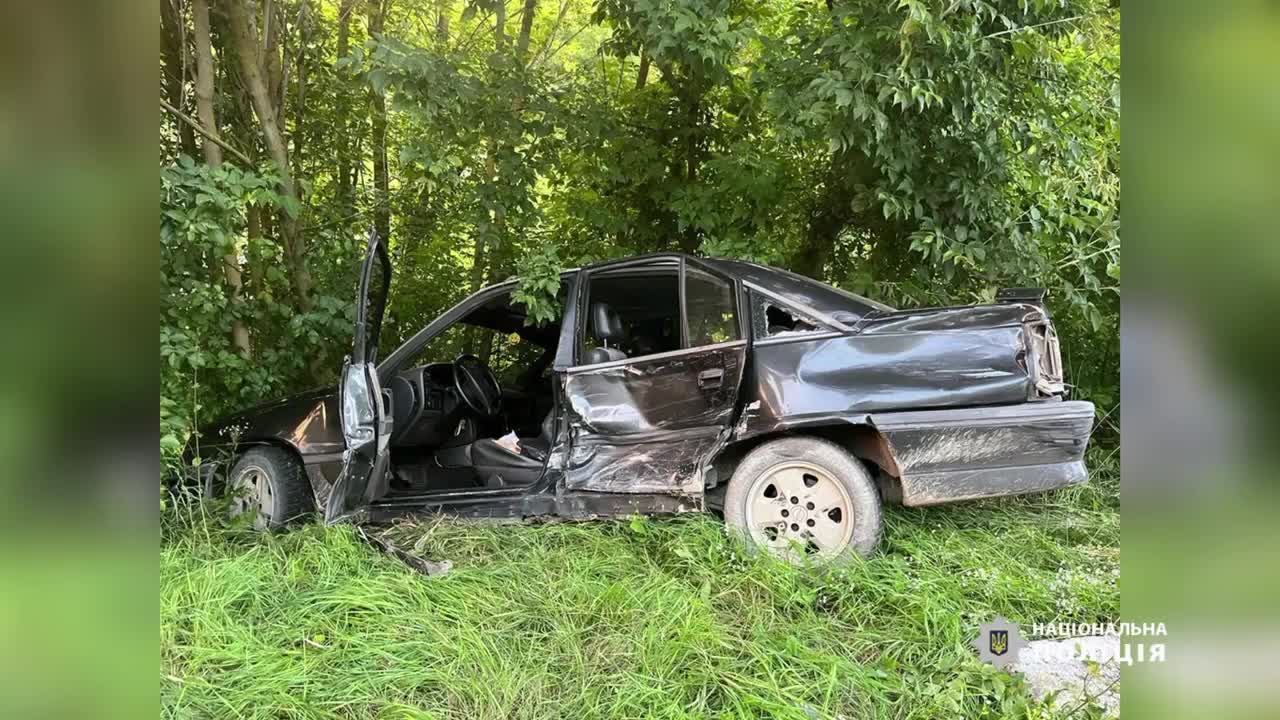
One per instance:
(918, 152)
(203, 221)
(378, 80)
(539, 284)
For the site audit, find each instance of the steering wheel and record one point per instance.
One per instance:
(477, 385)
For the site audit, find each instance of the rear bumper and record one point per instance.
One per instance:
(970, 453)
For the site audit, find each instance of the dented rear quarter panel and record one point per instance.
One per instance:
(800, 378)
(948, 389)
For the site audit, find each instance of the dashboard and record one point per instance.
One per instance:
(423, 404)
(426, 410)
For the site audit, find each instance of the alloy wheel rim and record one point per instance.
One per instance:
(798, 510)
(252, 493)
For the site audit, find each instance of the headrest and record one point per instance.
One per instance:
(605, 322)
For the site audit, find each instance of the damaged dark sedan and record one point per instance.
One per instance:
(670, 384)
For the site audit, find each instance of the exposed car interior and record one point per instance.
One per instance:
(474, 407)
(631, 314)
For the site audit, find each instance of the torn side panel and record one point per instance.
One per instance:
(668, 462)
(649, 425)
(964, 454)
(955, 485)
(668, 391)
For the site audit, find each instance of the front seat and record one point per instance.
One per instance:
(496, 466)
(607, 327)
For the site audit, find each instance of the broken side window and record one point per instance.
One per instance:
(770, 318)
(779, 320)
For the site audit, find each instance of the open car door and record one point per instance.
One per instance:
(366, 419)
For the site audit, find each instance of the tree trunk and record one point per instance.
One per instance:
(173, 45)
(344, 27)
(244, 36)
(381, 177)
(204, 80)
(526, 26)
(499, 26)
(499, 216)
(820, 237)
(253, 222)
(213, 156)
(300, 57)
(346, 196)
(443, 11)
(688, 139)
(547, 48)
(642, 77)
(478, 260)
(272, 59)
(203, 76)
(488, 242)
(253, 231)
(498, 259)
(495, 142)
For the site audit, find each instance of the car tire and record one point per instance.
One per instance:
(806, 500)
(270, 482)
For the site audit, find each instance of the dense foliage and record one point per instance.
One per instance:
(917, 152)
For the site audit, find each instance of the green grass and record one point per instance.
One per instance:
(635, 618)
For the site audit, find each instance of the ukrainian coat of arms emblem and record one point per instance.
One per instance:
(998, 642)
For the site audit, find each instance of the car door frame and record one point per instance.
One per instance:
(365, 438)
(537, 499)
(700, 445)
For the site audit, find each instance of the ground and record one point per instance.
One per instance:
(1045, 669)
(633, 618)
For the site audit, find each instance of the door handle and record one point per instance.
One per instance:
(710, 379)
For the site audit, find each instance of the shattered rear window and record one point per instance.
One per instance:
(779, 320)
(771, 318)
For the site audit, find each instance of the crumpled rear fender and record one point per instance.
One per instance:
(970, 453)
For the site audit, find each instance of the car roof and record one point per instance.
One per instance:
(784, 285)
(797, 289)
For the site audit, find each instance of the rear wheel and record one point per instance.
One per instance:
(805, 500)
(269, 483)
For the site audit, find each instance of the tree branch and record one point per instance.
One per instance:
(547, 58)
(201, 129)
(1010, 31)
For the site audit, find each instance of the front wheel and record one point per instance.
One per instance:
(805, 500)
(269, 483)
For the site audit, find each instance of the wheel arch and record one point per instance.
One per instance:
(861, 440)
(225, 458)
